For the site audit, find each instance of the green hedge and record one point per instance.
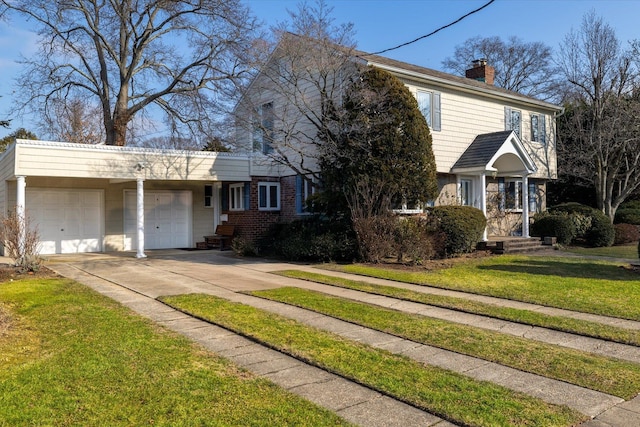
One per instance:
(462, 226)
(559, 225)
(600, 231)
(627, 216)
(309, 239)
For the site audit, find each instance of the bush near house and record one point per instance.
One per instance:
(600, 231)
(462, 225)
(628, 213)
(559, 225)
(626, 233)
(309, 239)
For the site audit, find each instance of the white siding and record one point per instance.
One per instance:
(466, 115)
(39, 158)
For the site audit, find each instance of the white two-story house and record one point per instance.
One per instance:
(495, 149)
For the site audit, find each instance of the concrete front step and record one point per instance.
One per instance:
(513, 245)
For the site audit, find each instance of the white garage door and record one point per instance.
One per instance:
(167, 219)
(68, 221)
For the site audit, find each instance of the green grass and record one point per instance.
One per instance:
(73, 357)
(623, 251)
(441, 392)
(588, 286)
(565, 324)
(607, 375)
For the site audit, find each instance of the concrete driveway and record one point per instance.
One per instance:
(137, 283)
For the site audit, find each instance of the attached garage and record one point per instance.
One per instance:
(68, 221)
(167, 219)
(83, 198)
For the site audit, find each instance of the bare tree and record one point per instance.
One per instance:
(599, 134)
(74, 120)
(130, 55)
(522, 67)
(288, 112)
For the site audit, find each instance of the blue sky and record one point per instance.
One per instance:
(380, 24)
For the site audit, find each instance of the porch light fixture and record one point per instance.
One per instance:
(139, 166)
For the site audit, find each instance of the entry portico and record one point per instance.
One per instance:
(497, 155)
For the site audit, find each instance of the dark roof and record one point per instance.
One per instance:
(482, 149)
(428, 72)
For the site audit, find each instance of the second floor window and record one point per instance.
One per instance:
(538, 128)
(263, 128)
(429, 105)
(513, 120)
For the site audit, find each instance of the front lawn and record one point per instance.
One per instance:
(452, 396)
(629, 251)
(611, 376)
(69, 356)
(527, 317)
(588, 286)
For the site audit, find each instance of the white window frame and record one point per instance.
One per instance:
(308, 190)
(426, 110)
(236, 197)
(267, 203)
(432, 113)
(263, 128)
(509, 121)
(208, 196)
(469, 199)
(539, 128)
(514, 205)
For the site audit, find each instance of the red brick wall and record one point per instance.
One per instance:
(252, 223)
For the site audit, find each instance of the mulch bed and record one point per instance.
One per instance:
(9, 272)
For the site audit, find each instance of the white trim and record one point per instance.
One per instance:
(268, 185)
(126, 149)
(140, 218)
(238, 204)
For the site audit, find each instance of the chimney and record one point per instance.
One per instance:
(481, 71)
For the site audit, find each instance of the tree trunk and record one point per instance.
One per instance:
(117, 128)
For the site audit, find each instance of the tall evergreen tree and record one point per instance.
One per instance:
(383, 139)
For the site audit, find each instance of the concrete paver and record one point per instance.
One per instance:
(355, 403)
(225, 276)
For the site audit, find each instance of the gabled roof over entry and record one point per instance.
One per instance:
(500, 152)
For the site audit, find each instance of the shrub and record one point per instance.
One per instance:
(376, 237)
(309, 239)
(638, 249)
(631, 204)
(626, 233)
(627, 216)
(21, 245)
(559, 225)
(415, 239)
(243, 247)
(600, 231)
(463, 227)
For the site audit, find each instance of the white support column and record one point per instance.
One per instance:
(525, 206)
(483, 202)
(21, 202)
(140, 217)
